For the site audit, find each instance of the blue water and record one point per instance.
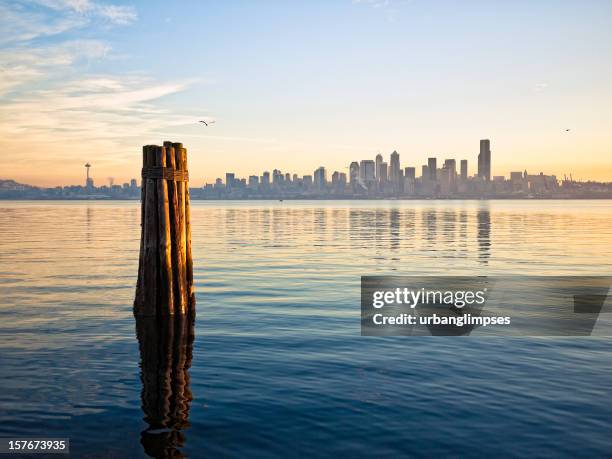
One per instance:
(278, 365)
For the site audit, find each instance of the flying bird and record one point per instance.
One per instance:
(567, 130)
(207, 122)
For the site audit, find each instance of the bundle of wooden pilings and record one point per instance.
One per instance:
(165, 271)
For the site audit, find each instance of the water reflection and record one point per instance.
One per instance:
(166, 349)
(304, 295)
(430, 225)
(484, 235)
(394, 229)
(88, 229)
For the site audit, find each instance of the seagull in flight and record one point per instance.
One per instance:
(567, 130)
(206, 123)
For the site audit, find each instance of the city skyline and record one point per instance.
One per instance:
(377, 178)
(391, 170)
(298, 85)
(363, 179)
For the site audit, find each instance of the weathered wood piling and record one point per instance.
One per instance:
(165, 271)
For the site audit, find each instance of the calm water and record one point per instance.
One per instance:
(277, 366)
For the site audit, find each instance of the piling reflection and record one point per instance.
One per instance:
(166, 348)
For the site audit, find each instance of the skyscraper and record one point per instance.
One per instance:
(432, 167)
(383, 173)
(484, 160)
(409, 181)
(253, 182)
(394, 168)
(307, 181)
(354, 172)
(424, 172)
(379, 161)
(450, 169)
(410, 173)
(338, 181)
(451, 164)
(265, 179)
(320, 178)
(464, 169)
(277, 177)
(367, 171)
(229, 180)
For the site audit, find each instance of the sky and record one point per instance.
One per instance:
(298, 85)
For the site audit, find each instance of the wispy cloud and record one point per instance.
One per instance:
(117, 14)
(28, 20)
(99, 111)
(19, 25)
(22, 65)
(50, 102)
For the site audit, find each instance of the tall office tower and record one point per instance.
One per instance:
(367, 171)
(277, 177)
(295, 178)
(339, 180)
(443, 182)
(383, 173)
(451, 164)
(432, 166)
(424, 172)
(410, 173)
(288, 177)
(394, 168)
(253, 181)
(229, 180)
(484, 160)
(133, 184)
(307, 181)
(320, 178)
(265, 178)
(379, 161)
(464, 170)
(450, 169)
(354, 173)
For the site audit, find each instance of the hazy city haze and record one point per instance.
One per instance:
(295, 86)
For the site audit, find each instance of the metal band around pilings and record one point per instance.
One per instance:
(167, 173)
